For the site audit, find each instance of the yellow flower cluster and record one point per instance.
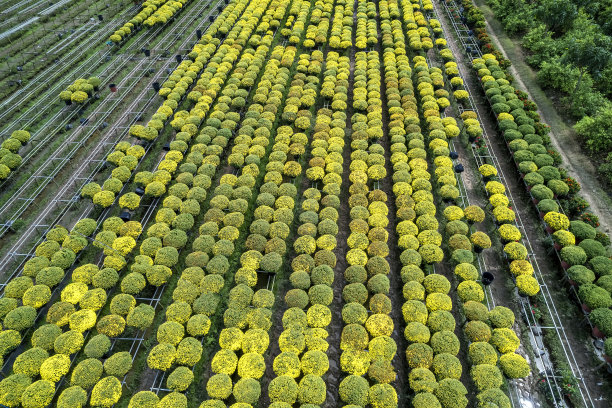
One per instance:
(556, 221)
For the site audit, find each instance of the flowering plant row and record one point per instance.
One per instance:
(302, 361)
(582, 254)
(342, 25)
(366, 343)
(153, 12)
(483, 357)
(366, 32)
(125, 157)
(80, 90)
(299, 14)
(429, 324)
(147, 9)
(205, 89)
(543, 179)
(504, 216)
(500, 319)
(27, 293)
(316, 32)
(216, 244)
(9, 152)
(411, 186)
(266, 247)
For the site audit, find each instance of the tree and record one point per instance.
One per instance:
(558, 15)
(597, 130)
(590, 53)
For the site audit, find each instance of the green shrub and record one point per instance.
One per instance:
(97, 346)
(481, 352)
(514, 366)
(601, 265)
(573, 255)
(87, 373)
(582, 230)
(72, 397)
(144, 399)
(451, 393)
(141, 316)
(20, 318)
(37, 296)
(311, 390)
(501, 316)
(283, 389)
(118, 364)
(16, 287)
(106, 392)
(445, 342)
(43, 337)
(425, 400)
(477, 331)
(38, 394)
(180, 379)
(69, 342)
(60, 312)
(493, 397)
(419, 355)
(594, 296)
(29, 361)
(247, 390)
(422, 380)
(219, 386)
(382, 372)
(475, 311)
(382, 395)
(439, 320)
(12, 388)
(486, 376)
(592, 248)
(354, 390)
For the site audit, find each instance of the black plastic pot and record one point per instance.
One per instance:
(487, 278)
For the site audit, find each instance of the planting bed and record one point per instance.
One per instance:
(291, 203)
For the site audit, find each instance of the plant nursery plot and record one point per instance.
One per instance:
(299, 203)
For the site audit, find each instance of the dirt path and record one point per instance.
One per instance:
(563, 138)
